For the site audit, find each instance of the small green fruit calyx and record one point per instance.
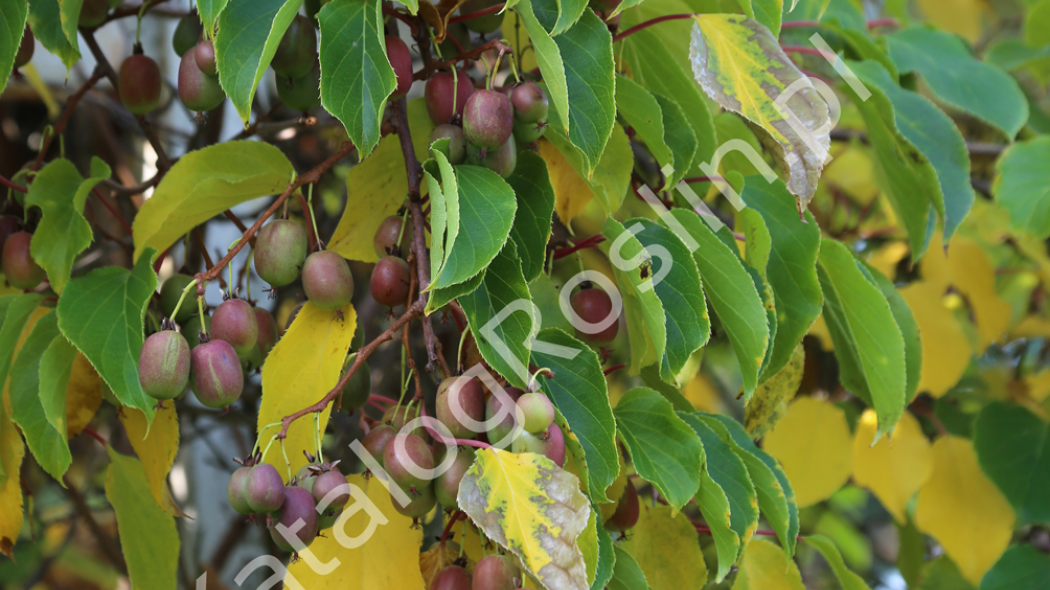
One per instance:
(327, 280)
(164, 363)
(280, 251)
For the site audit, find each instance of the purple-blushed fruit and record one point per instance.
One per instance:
(25, 49)
(470, 398)
(484, 24)
(488, 119)
(376, 441)
(390, 281)
(357, 390)
(401, 60)
(327, 280)
(530, 102)
(551, 444)
(234, 321)
(397, 459)
(387, 234)
(93, 13)
(164, 365)
(280, 251)
(556, 445)
(20, 270)
(502, 161)
(497, 572)
(297, 51)
(526, 133)
(325, 483)
(446, 486)
(216, 371)
(538, 411)
(204, 54)
(264, 490)
(171, 292)
(452, 577)
(422, 502)
(9, 224)
(235, 490)
(139, 84)
(187, 32)
(456, 150)
(267, 330)
(302, 93)
(197, 90)
(594, 306)
(438, 95)
(298, 505)
(626, 515)
(493, 407)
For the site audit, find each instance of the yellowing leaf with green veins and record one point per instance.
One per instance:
(766, 567)
(812, 443)
(534, 509)
(664, 543)
(156, 445)
(11, 452)
(961, 508)
(303, 366)
(946, 349)
(383, 560)
(741, 66)
(896, 466)
(770, 401)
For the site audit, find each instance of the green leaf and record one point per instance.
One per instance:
(610, 180)
(664, 449)
(868, 344)
(60, 193)
(771, 399)
(204, 183)
(12, 26)
(607, 554)
(1022, 186)
(642, 112)
(486, 208)
(441, 297)
(500, 316)
(626, 573)
(943, 574)
(905, 319)
(102, 314)
(1013, 448)
(545, 297)
(356, 77)
(646, 330)
(792, 267)
(209, 11)
(847, 579)
(148, 535)
(549, 59)
(46, 21)
(47, 444)
(957, 78)
(578, 390)
(532, 222)
(56, 365)
(16, 311)
(733, 296)
(557, 16)
(249, 31)
(741, 66)
(679, 137)
(677, 284)
(766, 12)
(651, 378)
(1022, 567)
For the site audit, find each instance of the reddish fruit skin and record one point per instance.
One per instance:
(471, 398)
(456, 151)
(488, 119)
(502, 161)
(280, 251)
(234, 321)
(139, 83)
(298, 504)
(386, 237)
(452, 577)
(415, 452)
(626, 515)
(9, 224)
(422, 502)
(401, 60)
(267, 330)
(390, 281)
(164, 365)
(21, 271)
(375, 442)
(553, 447)
(216, 372)
(327, 280)
(556, 445)
(297, 50)
(530, 102)
(93, 13)
(506, 426)
(264, 490)
(446, 486)
(325, 483)
(538, 411)
(197, 90)
(438, 95)
(594, 305)
(235, 490)
(25, 49)
(204, 54)
(481, 24)
(496, 572)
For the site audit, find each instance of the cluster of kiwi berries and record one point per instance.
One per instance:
(492, 572)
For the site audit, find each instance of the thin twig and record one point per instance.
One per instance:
(473, 15)
(649, 23)
(105, 542)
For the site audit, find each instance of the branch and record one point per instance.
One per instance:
(583, 244)
(15, 187)
(649, 23)
(129, 191)
(473, 15)
(105, 542)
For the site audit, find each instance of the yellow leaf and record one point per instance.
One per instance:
(961, 508)
(962, 17)
(1038, 386)
(703, 394)
(532, 508)
(812, 444)
(886, 258)
(83, 395)
(896, 466)
(770, 401)
(946, 350)
(1031, 327)
(157, 450)
(853, 172)
(766, 567)
(303, 366)
(388, 558)
(571, 192)
(12, 449)
(436, 558)
(664, 543)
